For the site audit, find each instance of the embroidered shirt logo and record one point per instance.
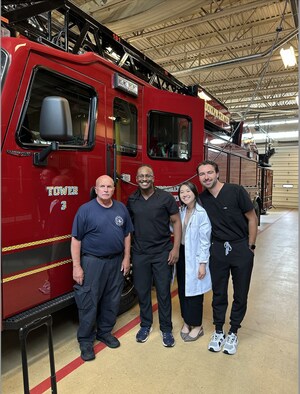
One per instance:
(119, 221)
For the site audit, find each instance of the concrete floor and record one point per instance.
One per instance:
(266, 361)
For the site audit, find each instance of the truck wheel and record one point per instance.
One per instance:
(257, 211)
(129, 296)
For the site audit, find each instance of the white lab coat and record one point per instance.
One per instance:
(197, 244)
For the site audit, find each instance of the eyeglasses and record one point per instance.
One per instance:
(142, 176)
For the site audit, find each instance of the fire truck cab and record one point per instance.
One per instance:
(67, 119)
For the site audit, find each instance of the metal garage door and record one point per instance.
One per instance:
(285, 182)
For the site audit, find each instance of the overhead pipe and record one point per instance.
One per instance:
(236, 60)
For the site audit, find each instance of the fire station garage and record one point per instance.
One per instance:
(101, 87)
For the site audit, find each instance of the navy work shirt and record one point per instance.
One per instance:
(102, 230)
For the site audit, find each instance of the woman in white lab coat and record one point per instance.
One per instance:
(193, 274)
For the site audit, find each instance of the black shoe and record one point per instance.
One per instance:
(87, 352)
(109, 340)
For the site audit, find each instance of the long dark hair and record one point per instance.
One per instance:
(193, 188)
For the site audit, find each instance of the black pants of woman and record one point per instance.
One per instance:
(191, 307)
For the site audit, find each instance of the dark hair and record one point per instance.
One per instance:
(208, 162)
(194, 190)
(145, 165)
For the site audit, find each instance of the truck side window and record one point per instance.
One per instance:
(169, 136)
(125, 127)
(82, 100)
(4, 64)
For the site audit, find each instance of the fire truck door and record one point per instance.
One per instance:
(68, 173)
(124, 140)
(173, 142)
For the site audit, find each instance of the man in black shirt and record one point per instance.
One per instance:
(153, 254)
(234, 231)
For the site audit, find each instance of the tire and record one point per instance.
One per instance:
(129, 296)
(257, 210)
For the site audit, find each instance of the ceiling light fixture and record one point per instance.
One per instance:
(285, 135)
(288, 57)
(273, 123)
(204, 96)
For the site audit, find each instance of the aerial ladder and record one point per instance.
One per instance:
(62, 25)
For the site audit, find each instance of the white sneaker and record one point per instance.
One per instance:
(216, 342)
(231, 343)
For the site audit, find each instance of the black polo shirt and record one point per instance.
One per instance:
(151, 221)
(226, 212)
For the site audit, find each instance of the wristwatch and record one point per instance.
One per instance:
(252, 247)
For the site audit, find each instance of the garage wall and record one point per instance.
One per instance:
(285, 173)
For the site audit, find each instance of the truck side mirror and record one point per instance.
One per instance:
(55, 119)
(55, 126)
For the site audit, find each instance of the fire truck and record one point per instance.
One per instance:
(78, 102)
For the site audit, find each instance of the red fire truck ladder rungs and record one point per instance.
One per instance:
(60, 24)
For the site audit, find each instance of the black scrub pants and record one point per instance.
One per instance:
(146, 269)
(239, 263)
(191, 307)
(98, 299)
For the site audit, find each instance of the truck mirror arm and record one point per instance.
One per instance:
(39, 158)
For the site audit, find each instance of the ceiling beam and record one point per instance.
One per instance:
(259, 100)
(266, 91)
(249, 59)
(243, 107)
(227, 64)
(126, 20)
(295, 12)
(253, 44)
(208, 36)
(228, 11)
(264, 103)
(291, 74)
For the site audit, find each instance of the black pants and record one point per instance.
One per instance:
(98, 299)
(191, 307)
(239, 263)
(146, 269)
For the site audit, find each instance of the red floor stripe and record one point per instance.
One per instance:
(69, 368)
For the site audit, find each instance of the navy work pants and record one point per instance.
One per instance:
(98, 299)
(235, 259)
(146, 269)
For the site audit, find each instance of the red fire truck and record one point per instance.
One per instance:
(78, 102)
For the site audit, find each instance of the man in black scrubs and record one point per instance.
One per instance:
(234, 231)
(153, 254)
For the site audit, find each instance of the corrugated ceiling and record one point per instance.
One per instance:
(231, 48)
